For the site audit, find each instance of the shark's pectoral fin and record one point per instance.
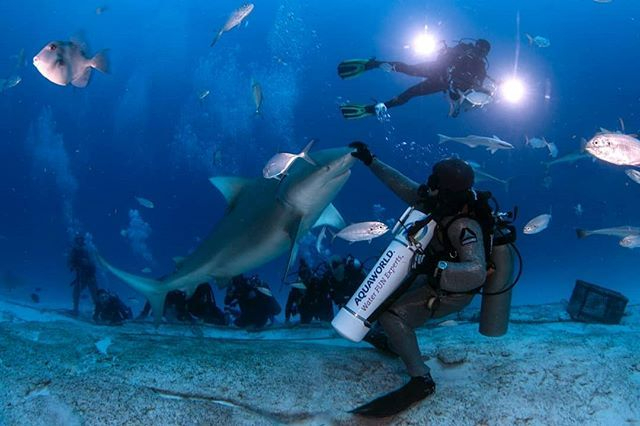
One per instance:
(294, 234)
(492, 150)
(330, 217)
(229, 186)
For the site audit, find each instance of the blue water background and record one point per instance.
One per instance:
(75, 158)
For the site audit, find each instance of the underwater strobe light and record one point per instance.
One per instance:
(513, 90)
(425, 43)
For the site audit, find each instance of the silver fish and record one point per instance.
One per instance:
(278, 165)
(569, 158)
(476, 98)
(482, 176)
(203, 95)
(491, 143)
(553, 149)
(9, 83)
(234, 20)
(634, 175)
(630, 241)
(536, 143)
(537, 224)
(64, 62)
(615, 148)
(538, 41)
(145, 203)
(363, 231)
(256, 91)
(299, 286)
(618, 231)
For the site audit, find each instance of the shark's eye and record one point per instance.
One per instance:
(52, 46)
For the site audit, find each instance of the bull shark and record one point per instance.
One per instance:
(264, 218)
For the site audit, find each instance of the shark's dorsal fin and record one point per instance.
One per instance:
(229, 186)
(330, 217)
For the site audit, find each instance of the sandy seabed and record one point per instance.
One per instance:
(546, 371)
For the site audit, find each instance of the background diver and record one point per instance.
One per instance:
(456, 70)
(443, 280)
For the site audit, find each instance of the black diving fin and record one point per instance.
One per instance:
(354, 67)
(399, 400)
(352, 112)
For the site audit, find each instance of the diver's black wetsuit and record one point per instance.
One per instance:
(81, 263)
(110, 309)
(256, 308)
(457, 68)
(467, 271)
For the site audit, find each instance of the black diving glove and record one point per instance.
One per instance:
(362, 152)
(399, 400)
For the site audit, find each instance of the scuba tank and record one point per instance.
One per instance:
(389, 272)
(496, 293)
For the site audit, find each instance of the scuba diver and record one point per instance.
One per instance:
(201, 305)
(443, 278)
(256, 304)
(315, 301)
(110, 310)
(80, 262)
(458, 71)
(344, 277)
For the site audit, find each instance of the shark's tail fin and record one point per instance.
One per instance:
(581, 233)
(305, 153)
(529, 38)
(147, 286)
(217, 37)
(442, 138)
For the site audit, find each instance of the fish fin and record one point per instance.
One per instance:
(83, 79)
(581, 233)
(216, 38)
(229, 186)
(101, 61)
(294, 234)
(146, 286)
(321, 236)
(305, 153)
(530, 39)
(492, 150)
(583, 144)
(443, 138)
(330, 217)
(80, 40)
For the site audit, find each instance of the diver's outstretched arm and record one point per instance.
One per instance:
(416, 70)
(426, 87)
(402, 186)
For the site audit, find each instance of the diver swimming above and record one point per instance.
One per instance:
(459, 71)
(443, 277)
